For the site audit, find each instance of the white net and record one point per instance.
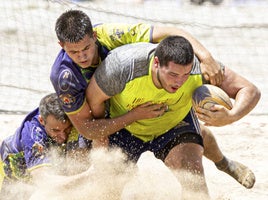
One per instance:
(235, 32)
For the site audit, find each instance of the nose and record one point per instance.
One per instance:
(81, 55)
(62, 135)
(179, 81)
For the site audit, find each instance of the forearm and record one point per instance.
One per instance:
(245, 101)
(160, 33)
(101, 128)
(200, 51)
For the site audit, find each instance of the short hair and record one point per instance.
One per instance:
(72, 26)
(50, 105)
(176, 49)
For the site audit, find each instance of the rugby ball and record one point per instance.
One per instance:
(207, 95)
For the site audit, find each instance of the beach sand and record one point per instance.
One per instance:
(245, 141)
(237, 35)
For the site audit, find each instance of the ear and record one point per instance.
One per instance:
(61, 44)
(95, 37)
(156, 62)
(41, 120)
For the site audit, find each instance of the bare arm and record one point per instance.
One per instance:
(97, 128)
(245, 94)
(210, 68)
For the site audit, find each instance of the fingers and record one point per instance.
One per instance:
(213, 72)
(214, 79)
(218, 78)
(146, 104)
(157, 109)
(150, 110)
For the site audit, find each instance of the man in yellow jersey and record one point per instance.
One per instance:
(84, 47)
(165, 74)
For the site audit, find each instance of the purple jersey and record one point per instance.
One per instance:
(30, 134)
(70, 81)
(29, 146)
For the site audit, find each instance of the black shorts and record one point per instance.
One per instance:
(187, 131)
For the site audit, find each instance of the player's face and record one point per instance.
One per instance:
(84, 53)
(56, 129)
(172, 76)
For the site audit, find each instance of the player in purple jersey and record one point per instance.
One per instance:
(84, 47)
(26, 154)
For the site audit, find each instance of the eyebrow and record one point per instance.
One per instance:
(74, 51)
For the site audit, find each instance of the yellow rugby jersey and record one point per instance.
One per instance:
(125, 76)
(112, 35)
(141, 90)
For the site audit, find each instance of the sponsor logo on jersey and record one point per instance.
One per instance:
(67, 99)
(65, 80)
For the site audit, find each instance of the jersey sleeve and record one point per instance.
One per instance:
(34, 147)
(122, 65)
(112, 35)
(69, 84)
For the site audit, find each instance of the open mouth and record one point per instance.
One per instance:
(174, 88)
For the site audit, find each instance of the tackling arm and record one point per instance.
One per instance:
(90, 122)
(210, 68)
(245, 94)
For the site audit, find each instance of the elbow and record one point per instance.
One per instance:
(86, 132)
(91, 133)
(257, 94)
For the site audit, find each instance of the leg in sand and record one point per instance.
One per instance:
(238, 171)
(185, 160)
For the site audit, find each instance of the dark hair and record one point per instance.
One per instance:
(176, 49)
(72, 26)
(50, 105)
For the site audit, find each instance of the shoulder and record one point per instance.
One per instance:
(65, 75)
(126, 57)
(122, 65)
(62, 66)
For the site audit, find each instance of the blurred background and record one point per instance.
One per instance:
(234, 31)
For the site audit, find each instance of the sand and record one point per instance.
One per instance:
(245, 141)
(239, 40)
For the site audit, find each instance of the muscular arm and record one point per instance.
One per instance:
(97, 128)
(210, 68)
(245, 94)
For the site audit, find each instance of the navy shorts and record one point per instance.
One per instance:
(187, 131)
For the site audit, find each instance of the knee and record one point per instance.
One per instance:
(207, 135)
(186, 157)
